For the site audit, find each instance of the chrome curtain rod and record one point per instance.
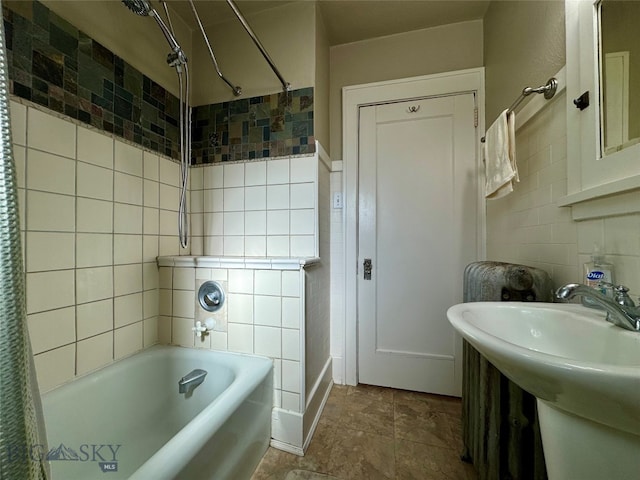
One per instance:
(548, 89)
(237, 91)
(285, 86)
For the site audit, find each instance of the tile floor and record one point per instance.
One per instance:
(375, 433)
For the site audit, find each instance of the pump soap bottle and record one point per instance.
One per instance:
(596, 271)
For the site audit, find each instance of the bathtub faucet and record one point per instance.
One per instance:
(191, 380)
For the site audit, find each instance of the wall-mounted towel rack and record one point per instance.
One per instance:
(548, 89)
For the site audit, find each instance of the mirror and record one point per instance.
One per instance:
(603, 139)
(619, 68)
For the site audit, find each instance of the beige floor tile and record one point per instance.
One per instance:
(369, 416)
(361, 455)
(370, 392)
(275, 465)
(307, 475)
(439, 403)
(334, 407)
(371, 433)
(426, 462)
(317, 456)
(416, 421)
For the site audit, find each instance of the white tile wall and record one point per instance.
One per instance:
(254, 209)
(94, 318)
(51, 134)
(55, 366)
(92, 281)
(528, 227)
(92, 251)
(94, 352)
(51, 329)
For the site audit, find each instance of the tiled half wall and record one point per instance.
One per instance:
(264, 317)
(56, 65)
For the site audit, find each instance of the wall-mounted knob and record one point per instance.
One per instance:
(211, 296)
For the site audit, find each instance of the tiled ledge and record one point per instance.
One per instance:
(239, 262)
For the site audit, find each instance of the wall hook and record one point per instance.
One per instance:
(413, 109)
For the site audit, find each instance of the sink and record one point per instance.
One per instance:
(584, 372)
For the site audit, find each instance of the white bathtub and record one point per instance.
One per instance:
(129, 421)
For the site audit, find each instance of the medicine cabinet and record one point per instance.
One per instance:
(603, 138)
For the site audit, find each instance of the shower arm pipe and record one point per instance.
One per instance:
(166, 12)
(285, 85)
(237, 91)
(173, 43)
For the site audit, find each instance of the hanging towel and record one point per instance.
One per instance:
(500, 156)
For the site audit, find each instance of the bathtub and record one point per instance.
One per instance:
(128, 420)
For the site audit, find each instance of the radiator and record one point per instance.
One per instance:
(501, 434)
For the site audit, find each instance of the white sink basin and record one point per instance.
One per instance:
(575, 363)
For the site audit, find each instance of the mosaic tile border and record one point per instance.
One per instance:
(54, 64)
(258, 127)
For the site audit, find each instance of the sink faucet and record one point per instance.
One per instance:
(623, 315)
(191, 379)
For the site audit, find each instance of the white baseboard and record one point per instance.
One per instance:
(286, 430)
(338, 370)
(316, 402)
(285, 447)
(316, 419)
(292, 431)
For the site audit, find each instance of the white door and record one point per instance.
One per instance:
(417, 224)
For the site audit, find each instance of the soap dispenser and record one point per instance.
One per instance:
(597, 272)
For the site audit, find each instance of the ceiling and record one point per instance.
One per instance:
(349, 20)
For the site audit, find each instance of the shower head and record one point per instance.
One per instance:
(139, 7)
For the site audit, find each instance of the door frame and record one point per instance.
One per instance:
(353, 97)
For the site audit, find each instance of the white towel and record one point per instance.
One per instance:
(500, 156)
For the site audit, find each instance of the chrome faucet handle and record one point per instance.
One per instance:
(622, 296)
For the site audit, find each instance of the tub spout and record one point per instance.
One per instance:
(191, 380)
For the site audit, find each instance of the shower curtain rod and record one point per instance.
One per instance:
(548, 89)
(237, 91)
(285, 85)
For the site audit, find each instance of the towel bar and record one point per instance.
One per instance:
(548, 89)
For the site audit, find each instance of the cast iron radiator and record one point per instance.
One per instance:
(501, 434)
